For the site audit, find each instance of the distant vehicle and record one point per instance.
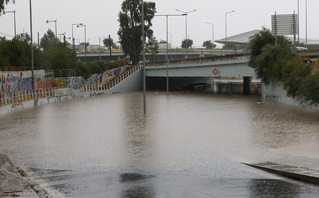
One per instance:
(299, 48)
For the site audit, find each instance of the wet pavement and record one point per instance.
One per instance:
(188, 145)
(12, 184)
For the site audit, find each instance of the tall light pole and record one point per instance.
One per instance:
(55, 21)
(73, 40)
(226, 27)
(82, 25)
(167, 59)
(31, 34)
(15, 24)
(186, 14)
(143, 38)
(171, 34)
(212, 31)
(298, 5)
(61, 35)
(306, 23)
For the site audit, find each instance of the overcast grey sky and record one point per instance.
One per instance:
(101, 17)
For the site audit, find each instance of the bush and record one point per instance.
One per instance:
(279, 63)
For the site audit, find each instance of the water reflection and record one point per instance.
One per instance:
(137, 187)
(280, 126)
(135, 134)
(273, 188)
(138, 192)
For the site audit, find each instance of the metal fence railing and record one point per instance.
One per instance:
(111, 82)
(22, 96)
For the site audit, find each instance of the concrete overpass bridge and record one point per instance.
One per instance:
(185, 75)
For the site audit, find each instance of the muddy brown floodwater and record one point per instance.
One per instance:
(187, 145)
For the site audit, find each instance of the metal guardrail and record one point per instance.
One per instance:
(112, 83)
(198, 59)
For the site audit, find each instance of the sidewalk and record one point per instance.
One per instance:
(12, 184)
(300, 166)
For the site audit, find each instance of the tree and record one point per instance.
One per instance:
(152, 46)
(209, 45)
(60, 57)
(17, 52)
(279, 63)
(108, 42)
(259, 41)
(48, 41)
(130, 32)
(267, 58)
(187, 43)
(2, 2)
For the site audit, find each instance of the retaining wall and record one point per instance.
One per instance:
(276, 92)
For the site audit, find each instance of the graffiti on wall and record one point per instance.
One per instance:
(11, 83)
(17, 107)
(22, 81)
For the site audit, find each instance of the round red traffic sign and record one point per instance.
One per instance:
(215, 71)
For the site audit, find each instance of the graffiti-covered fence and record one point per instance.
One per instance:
(22, 96)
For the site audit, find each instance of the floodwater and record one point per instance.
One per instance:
(187, 145)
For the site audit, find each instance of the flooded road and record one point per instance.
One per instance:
(188, 145)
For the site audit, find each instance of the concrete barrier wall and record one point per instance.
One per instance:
(276, 92)
(131, 84)
(31, 103)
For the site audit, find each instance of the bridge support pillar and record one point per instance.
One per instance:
(247, 85)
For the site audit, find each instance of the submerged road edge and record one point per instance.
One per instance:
(293, 172)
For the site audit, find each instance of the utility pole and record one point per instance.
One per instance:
(110, 47)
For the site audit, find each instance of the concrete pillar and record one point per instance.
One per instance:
(247, 85)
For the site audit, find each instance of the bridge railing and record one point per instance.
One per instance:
(199, 59)
(112, 82)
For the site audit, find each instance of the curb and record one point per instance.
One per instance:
(293, 172)
(12, 183)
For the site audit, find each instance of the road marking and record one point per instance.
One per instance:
(52, 193)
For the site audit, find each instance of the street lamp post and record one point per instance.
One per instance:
(61, 35)
(82, 25)
(144, 75)
(213, 40)
(15, 25)
(306, 23)
(167, 59)
(55, 21)
(31, 34)
(226, 28)
(298, 5)
(186, 14)
(73, 39)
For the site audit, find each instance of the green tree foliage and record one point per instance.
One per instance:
(209, 45)
(130, 32)
(2, 3)
(97, 67)
(266, 57)
(308, 91)
(60, 57)
(187, 43)
(279, 63)
(152, 46)
(17, 53)
(48, 41)
(108, 42)
(294, 72)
